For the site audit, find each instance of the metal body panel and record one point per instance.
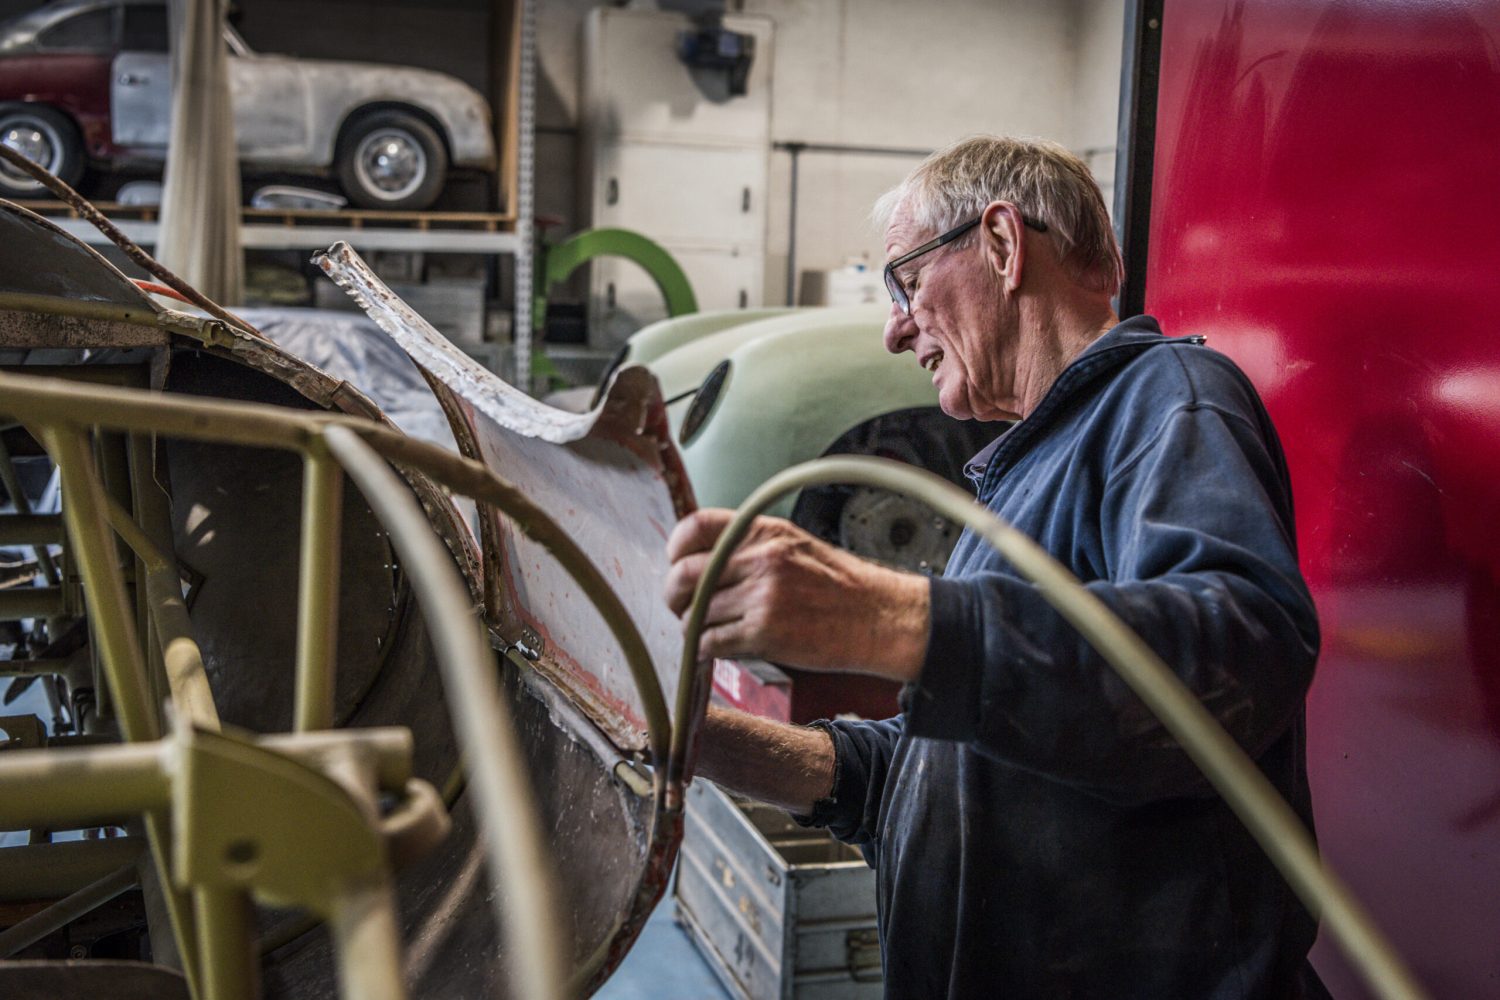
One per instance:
(335, 90)
(140, 100)
(779, 405)
(1323, 171)
(73, 82)
(38, 258)
(614, 483)
(611, 478)
(289, 111)
(669, 334)
(781, 912)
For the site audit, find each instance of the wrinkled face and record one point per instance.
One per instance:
(962, 325)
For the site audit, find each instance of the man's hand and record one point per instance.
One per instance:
(788, 597)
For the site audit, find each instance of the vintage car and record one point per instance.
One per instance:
(89, 81)
(752, 392)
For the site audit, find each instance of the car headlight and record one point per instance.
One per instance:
(703, 402)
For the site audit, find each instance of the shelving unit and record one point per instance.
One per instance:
(505, 233)
(298, 229)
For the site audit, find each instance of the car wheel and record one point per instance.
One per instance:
(44, 136)
(887, 527)
(392, 159)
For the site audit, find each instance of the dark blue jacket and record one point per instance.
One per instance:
(1035, 830)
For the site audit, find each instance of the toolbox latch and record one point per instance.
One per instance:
(862, 952)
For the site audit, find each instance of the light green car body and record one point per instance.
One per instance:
(798, 380)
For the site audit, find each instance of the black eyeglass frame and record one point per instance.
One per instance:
(893, 284)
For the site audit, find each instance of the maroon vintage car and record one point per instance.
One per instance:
(89, 81)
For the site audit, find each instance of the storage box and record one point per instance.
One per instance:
(779, 911)
(853, 285)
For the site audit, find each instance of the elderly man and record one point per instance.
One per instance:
(1034, 829)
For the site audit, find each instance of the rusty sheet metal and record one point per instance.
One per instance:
(611, 478)
(38, 258)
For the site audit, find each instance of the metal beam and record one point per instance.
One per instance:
(1140, 70)
(50, 871)
(261, 236)
(30, 529)
(318, 591)
(57, 916)
(30, 602)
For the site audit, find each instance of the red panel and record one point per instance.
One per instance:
(1326, 208)
(76, 83)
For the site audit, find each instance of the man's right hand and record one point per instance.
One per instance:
(788, 597)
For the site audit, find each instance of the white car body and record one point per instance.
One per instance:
(289, 112)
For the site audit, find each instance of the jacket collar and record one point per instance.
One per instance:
(1109, 353)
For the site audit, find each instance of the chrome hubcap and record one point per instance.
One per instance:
(390, 162)
(32, 143)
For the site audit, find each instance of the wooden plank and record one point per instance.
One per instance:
(354, 218)
(505, 90)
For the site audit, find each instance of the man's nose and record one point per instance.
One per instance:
(900, 331)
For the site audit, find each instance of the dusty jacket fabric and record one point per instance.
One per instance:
(1035, 831)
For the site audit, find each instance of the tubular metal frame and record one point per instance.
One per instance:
(84, 783)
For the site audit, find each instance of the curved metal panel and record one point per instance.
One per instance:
(611, 478)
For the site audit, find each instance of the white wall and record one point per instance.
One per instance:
(1098, 27)
(888, 73)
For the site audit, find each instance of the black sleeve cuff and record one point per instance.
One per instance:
(826, 811)
(944, 702)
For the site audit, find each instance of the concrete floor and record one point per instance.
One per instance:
(663, 965)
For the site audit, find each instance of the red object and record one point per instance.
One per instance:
(801, 696)
(158, 289)
(76, 84)
(1326, 209)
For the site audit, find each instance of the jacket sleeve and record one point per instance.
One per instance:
(1200, 557)
(862, 753)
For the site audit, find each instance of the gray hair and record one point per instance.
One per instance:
(1042, 178)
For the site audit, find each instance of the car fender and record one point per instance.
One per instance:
(337, 90)
(683, 367)
(792, 390)
(665, 336)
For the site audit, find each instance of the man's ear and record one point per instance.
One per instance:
(1002, 232)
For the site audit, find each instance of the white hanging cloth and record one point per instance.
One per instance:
(200, 209)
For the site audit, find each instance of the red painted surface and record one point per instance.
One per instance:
(801, 696)
(75, 83)
(1326, 208)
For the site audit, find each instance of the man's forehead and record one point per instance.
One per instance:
(901, 232)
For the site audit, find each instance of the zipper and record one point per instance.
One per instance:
(1074, 377)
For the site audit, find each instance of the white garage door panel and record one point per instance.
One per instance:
(636, 88)
(673, 193)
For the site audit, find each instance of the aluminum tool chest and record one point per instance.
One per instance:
(779, 911)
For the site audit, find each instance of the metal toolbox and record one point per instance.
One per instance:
(778, 910)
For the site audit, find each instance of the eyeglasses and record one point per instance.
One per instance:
(898, 290)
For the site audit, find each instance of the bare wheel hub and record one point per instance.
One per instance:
(32, 142)
(896, 530)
